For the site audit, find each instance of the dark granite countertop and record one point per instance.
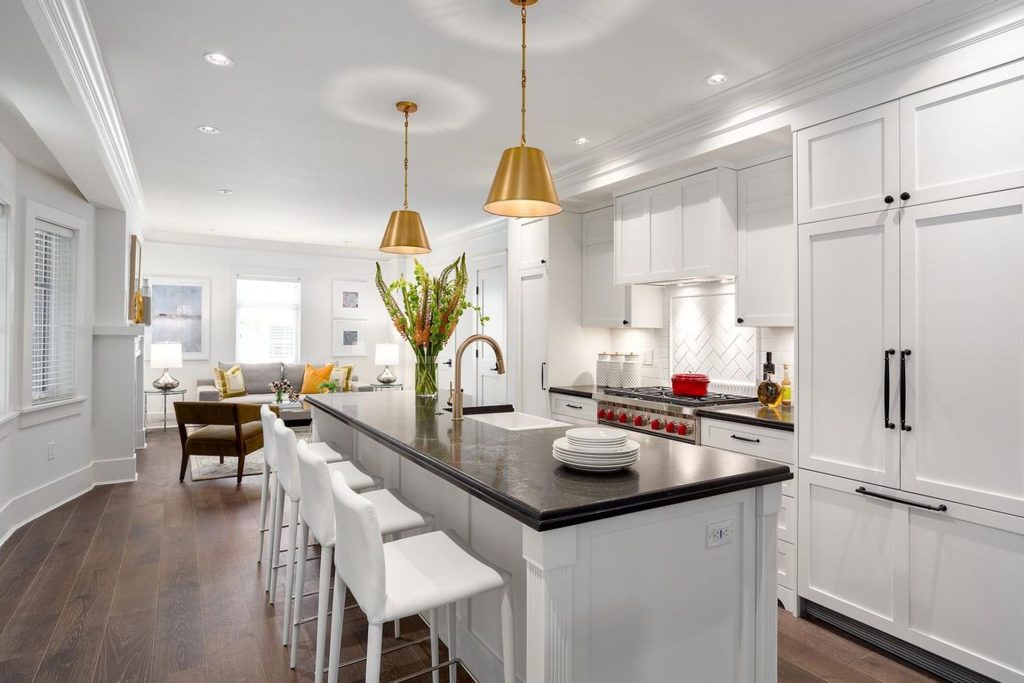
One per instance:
(581, 390)
(514, 471)
(752, 414)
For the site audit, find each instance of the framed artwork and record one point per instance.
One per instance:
(181, 313)
(134, 273)
(348, 298)
(348, 337)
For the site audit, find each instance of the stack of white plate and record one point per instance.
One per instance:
(596, 449)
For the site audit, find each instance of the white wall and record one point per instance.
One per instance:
(316, 267)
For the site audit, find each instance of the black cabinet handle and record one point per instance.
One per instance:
(888, 199)
(739, 321)
(573, 406)
(447, 362)
(904, 196)
(543, 261)
(745, 438)
(888, 391)
(625, 322)
(903, 390)
(925, 506)
(543, 366)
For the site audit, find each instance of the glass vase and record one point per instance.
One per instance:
(426, 376)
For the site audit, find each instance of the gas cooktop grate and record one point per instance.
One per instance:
(665, 395)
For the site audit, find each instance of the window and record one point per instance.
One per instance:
(267, 319)
(4, 294)
(53, 313)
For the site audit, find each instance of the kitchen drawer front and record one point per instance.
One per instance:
(789, 488)
(760, 442)
(787, 520)
(785, 564)
(573, 406)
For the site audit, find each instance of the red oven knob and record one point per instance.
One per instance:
(623, 418)
(683, 430)
(640, 420)
(671, 428)
(602, 414)
(656, 424)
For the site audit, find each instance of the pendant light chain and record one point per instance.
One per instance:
(522, 137)
(405, 199)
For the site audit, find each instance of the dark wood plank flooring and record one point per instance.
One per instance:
(157, 581)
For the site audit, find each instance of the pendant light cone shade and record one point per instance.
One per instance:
(523, 186)
(405, 233)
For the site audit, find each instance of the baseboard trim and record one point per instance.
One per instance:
(114, 470)
(50, 496)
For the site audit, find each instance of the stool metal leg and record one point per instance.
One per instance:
(289, 580)
(326, 555)
(298, 589)
(264, 508)
(275, 539)
(508, 654)
(453, 669)
(373, 654)
(435, 657)
(337, 622)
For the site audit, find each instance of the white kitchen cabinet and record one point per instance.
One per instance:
(678, 230)
(532, 287)
(574, 408)
(849, 318)
(849, 165)
(531, 242)
(962, 300)
(964, 137)
(606, 304)
(766, 241)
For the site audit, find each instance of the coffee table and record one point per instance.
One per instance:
(296, 414)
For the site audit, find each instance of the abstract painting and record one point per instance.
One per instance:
(181, 313)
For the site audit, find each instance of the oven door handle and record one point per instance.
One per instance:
(747, 439)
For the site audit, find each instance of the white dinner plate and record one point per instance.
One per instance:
(595, 468)
(597, 434)
(595, 458)
(628, 446)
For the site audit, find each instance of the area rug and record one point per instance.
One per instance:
(205, 467)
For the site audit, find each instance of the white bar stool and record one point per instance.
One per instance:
(316, 513)
(271, 499)
(406, 577)
(288, 476)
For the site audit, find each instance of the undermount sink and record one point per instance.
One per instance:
(516, 422)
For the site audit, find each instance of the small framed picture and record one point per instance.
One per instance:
(348, 337)
(348, 298)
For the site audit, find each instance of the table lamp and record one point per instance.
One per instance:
(386, 355)
(166, 356)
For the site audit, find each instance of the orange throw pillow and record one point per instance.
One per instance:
(313, 376)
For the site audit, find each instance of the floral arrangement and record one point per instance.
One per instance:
(281, 387)
(425, 312)
(330, 386)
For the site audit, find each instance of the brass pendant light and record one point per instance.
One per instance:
(523, 186)
(405, 233)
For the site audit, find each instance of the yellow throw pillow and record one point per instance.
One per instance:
(229, 382)
(313, 376)
(342, 374)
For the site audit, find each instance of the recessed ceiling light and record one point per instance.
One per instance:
(225, 191)
(581, 140)
(209, 130)
(716, 79)
(218, 59)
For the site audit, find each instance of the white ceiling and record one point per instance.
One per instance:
(311, 143)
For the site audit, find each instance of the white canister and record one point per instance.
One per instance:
(615, 371)
(602, 369)
(631, 371)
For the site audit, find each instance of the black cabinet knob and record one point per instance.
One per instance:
(889, 199)
(625, 322)
(905, 196)
(739, 321)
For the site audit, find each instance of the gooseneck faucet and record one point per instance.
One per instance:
(457, 391)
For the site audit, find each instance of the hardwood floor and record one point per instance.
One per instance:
(157, 581)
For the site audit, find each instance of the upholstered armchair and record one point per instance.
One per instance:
(230, 430)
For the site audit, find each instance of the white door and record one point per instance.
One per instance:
(533, 342)
(962, 318)
(531, 235)
(632, 243)
(766, 279)
(850, 165)
(964, 137)
(491, 296)
(666, 243)
(850, 550)
(849, 319)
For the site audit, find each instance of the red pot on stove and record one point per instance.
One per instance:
(687, 384)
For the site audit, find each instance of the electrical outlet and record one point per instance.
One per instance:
(51, 449)
(720, 533)
(647, 357)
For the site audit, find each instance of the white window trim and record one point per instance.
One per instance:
(262, 272)
(7, 198)
(44, 412)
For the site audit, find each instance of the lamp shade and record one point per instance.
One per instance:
(386, 354)
(523, 186)
(405, 234)
(165, 355)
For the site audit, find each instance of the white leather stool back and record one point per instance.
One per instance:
(287, 460)
(316, 506)
(361, 558)
(269, 446)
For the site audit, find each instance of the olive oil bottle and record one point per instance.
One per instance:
(769, 392)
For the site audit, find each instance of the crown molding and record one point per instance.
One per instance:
(473, 231)
(226, 242)
(926, 33)
(67, 33)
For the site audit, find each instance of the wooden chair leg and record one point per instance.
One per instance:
(241, 466)
(184, 464)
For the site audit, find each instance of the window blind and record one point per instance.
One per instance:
(53, 313)
(267, 319)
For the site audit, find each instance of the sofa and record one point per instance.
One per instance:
(257, 377)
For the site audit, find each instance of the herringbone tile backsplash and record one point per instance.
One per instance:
(705, 339)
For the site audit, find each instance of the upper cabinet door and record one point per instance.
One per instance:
(963, 138)
(709, 224)
(666, 246)
(766, 275)
(849, 166)
(632, 237)
(962, 318)
(531, 235)
(604, 302)
(849, 318)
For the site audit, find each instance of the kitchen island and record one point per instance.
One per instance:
(663, 572)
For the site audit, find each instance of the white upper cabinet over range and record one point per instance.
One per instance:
(676, 231)
(955, 140)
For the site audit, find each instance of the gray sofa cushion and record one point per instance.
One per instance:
(294, 372)
(257, 376)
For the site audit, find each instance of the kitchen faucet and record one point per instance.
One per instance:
(457, 390)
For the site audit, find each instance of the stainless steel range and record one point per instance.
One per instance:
(655, 410)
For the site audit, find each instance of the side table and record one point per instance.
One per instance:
(165, 394)
(377, 386)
